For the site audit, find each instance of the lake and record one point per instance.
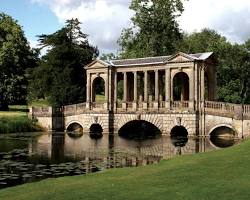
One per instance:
(33, 157)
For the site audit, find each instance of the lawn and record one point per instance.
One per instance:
(222, 174)
(16, 120)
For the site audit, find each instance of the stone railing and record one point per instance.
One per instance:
(40, 111)
(75, 109)
(246, 109)
(227, 108)
(97, 105)
(221, 107)
(180, 105)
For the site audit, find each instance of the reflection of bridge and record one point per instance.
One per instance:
(166, 91)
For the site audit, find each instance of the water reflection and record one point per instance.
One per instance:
(223, 142)
(59, 154)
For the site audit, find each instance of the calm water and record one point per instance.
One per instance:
(26, 159)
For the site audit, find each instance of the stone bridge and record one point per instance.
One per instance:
(215, 115)
(167, 91)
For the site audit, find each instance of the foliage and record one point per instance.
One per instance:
(155, 30)
(108, 56)
(232, 62)
(15, 57)
(60, 76)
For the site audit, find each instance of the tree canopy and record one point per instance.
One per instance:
(233, 60)
(154, 30)
(15, 57)
(60, 76)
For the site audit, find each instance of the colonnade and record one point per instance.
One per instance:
(177, 82)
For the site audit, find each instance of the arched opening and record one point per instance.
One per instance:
(139, 130)
(179, 136)
(75, 128)
(96, 131)
(223, 136)
(98, 90)
(181, 87)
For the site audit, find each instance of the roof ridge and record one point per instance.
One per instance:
(142, 58)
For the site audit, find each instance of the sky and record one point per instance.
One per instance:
(103, 20)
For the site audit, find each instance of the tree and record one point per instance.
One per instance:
(15, 57)
(60, 76)
(155, 30)
(230, 57)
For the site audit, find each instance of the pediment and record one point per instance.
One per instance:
(97, 64)
(180, 57)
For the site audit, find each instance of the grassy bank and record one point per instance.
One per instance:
(16, 120)
(223, 174)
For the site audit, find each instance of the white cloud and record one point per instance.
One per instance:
(103, 20)
(228, 17)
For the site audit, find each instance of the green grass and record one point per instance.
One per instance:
(17, 123)
(16, 120)
(223, 174)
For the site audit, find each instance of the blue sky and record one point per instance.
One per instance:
(35, 19)
(103, 20)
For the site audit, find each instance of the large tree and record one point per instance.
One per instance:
(232, 62)
(60, 76)
(15, 57)
(154, 30)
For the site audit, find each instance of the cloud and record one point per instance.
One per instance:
(228, 17)
(103, 20)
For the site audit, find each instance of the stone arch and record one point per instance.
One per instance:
(74, 122)
(222, 125)
(139, 129)
(182, 123)
(96, 120)
(151, 118)
(181, 86)
(95, 127)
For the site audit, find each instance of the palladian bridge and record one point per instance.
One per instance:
(170, 92)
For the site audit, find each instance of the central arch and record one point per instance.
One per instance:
(139, 129)
(181, 87)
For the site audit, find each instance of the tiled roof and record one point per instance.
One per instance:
(156, 60)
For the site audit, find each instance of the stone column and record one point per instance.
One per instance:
(135, 91)
(156, 100)
(115, 90)
(168, 88)
(203, 83)
(125, 91)
(105, 105)
(145, 103)
(135, 86)
(191, 92)
(88, 93)
(196, 104)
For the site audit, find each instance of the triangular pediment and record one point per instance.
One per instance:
(97, 64)
(180, 57)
